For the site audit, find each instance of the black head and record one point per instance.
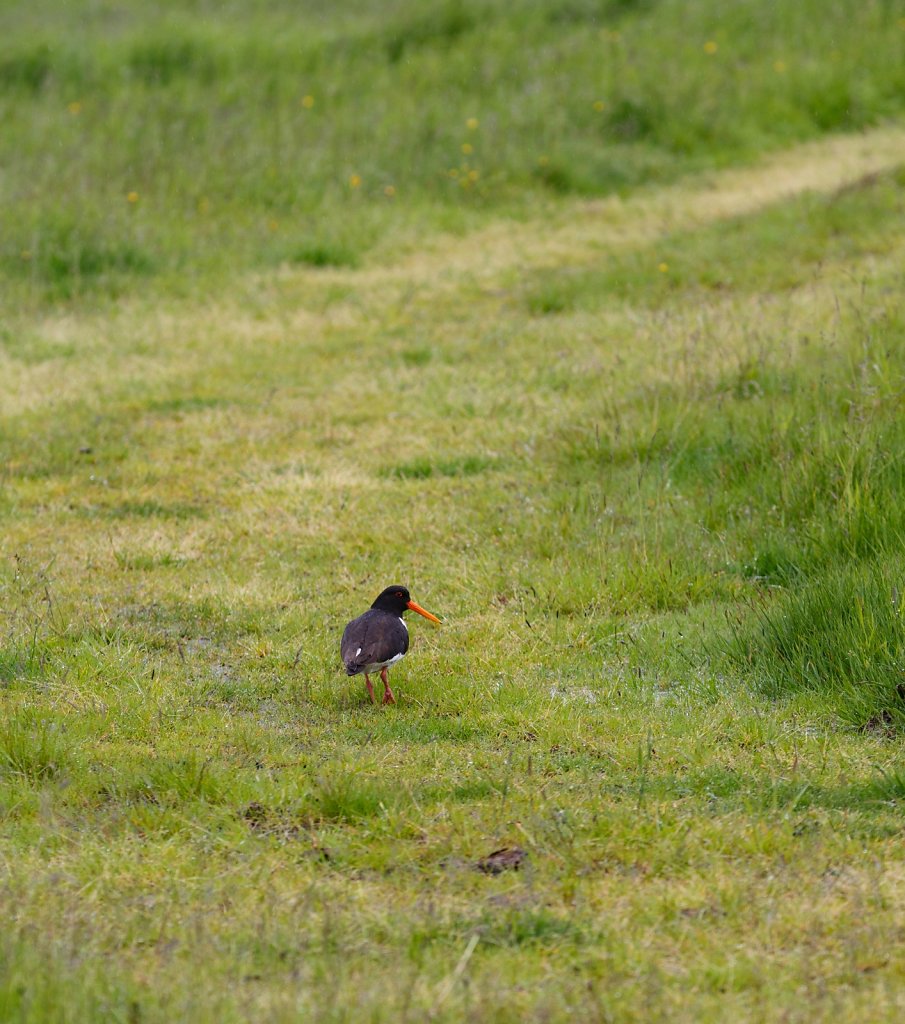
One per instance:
(393, 599)
(397, 600)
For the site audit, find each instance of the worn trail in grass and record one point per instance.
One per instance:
(608, 477)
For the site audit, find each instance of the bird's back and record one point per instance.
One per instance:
(374, 638)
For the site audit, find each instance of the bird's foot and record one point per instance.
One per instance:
(388, 697)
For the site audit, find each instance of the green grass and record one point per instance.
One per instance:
(238, 140)
(841, 636)
(625, 410)
(776, 252)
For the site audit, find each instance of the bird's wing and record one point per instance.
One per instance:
(371, 639)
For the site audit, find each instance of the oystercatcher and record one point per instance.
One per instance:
(379, 638)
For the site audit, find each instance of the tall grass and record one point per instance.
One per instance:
(840, 636)
(32, 747)
(155, 141)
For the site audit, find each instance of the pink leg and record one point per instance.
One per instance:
(388, 697)
(370, 687)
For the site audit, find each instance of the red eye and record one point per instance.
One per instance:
(399, 593)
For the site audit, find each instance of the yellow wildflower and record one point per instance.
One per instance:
(132, 197)
(75, 108)
(663, 267)
(710, 46)
(599, 105)
(467, 148)
(355, 181)
(472, 123)
(307, 102)
(389, 190)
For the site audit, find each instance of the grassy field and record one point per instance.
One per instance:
(621, 399)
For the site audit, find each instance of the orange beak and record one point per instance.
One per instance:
(417, 608)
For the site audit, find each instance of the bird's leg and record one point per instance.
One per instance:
(370, 687)
(388, 697)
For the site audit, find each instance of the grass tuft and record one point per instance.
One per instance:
(349, 797)
(28, 70)
(153, 510)
(159, 62)
(169, 781)
(66, 259)
(426, 468)
(324, 254)
(443, 26)
(33, 747)
(841, 636)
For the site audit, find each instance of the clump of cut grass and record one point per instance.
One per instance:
(145, 561)
(550, 297)
(185, 404)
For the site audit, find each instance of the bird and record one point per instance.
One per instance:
(379, 638)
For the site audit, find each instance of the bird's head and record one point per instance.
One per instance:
(397, 600)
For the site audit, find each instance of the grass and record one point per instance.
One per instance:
(629, 418)
(187, 149)
(775, 252)
(841, 636)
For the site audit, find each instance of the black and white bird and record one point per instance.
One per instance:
(379, 638)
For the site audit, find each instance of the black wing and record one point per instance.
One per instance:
(372, 638)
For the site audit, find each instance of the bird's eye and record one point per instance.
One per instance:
(399, 593)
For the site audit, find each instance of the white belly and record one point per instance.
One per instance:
(383, 664)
